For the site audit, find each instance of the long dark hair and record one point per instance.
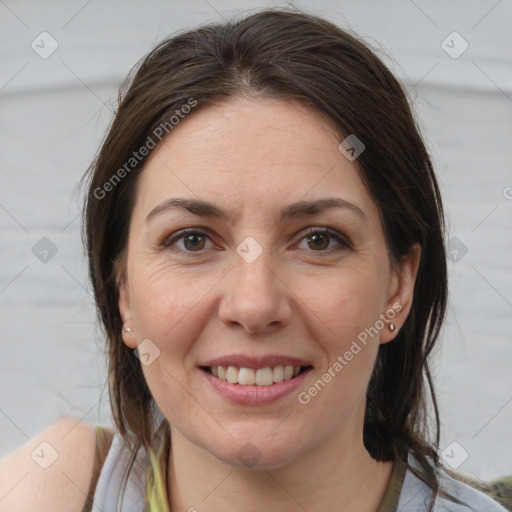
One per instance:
(285, 54)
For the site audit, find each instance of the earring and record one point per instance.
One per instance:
(127, 329)
(392, 327)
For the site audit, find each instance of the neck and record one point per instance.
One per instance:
(336, 475)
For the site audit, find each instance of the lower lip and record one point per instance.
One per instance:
(255, 395)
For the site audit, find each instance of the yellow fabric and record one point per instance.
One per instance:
(156, 499)
(156, 477)
(156, 489)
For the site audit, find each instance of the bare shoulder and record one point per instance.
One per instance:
(50, 472)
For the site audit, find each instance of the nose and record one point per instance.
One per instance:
(255, 297)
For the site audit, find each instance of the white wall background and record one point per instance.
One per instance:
(53, 114)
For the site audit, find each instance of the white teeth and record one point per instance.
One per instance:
(279, 374)
(250, 377)
(264, 377)
(246, 376)
(232, 375)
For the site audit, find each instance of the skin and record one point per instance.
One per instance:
(26, 483)
(250, 157)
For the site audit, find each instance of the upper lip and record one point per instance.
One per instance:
(241, 360)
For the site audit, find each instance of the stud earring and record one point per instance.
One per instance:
(127, 329)
(392, 327)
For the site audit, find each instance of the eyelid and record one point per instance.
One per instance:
(168, 239)
(344, 241)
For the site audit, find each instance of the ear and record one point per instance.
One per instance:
(124, 304)
(400, 292)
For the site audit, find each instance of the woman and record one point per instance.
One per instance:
(265, 240)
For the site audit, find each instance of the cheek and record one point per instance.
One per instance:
(347, 302)
(168, 304)
(348, 307)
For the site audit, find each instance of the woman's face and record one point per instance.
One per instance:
(253, 289)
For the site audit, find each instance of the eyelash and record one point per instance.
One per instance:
(343, 241)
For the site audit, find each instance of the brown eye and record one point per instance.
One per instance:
(193, 241)
(318, 240)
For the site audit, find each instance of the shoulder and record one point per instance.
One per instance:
(475, 499)
(52, 471)
(415, 495)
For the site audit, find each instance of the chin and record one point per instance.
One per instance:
(255, 452)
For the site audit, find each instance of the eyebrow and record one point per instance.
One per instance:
(294, 210)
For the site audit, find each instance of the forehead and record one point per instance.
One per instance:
(255, 154)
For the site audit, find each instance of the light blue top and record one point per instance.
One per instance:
(415, 496)
(405, 493)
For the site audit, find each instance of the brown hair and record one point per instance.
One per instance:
(279, 53)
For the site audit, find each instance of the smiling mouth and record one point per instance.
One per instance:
(255, 377)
